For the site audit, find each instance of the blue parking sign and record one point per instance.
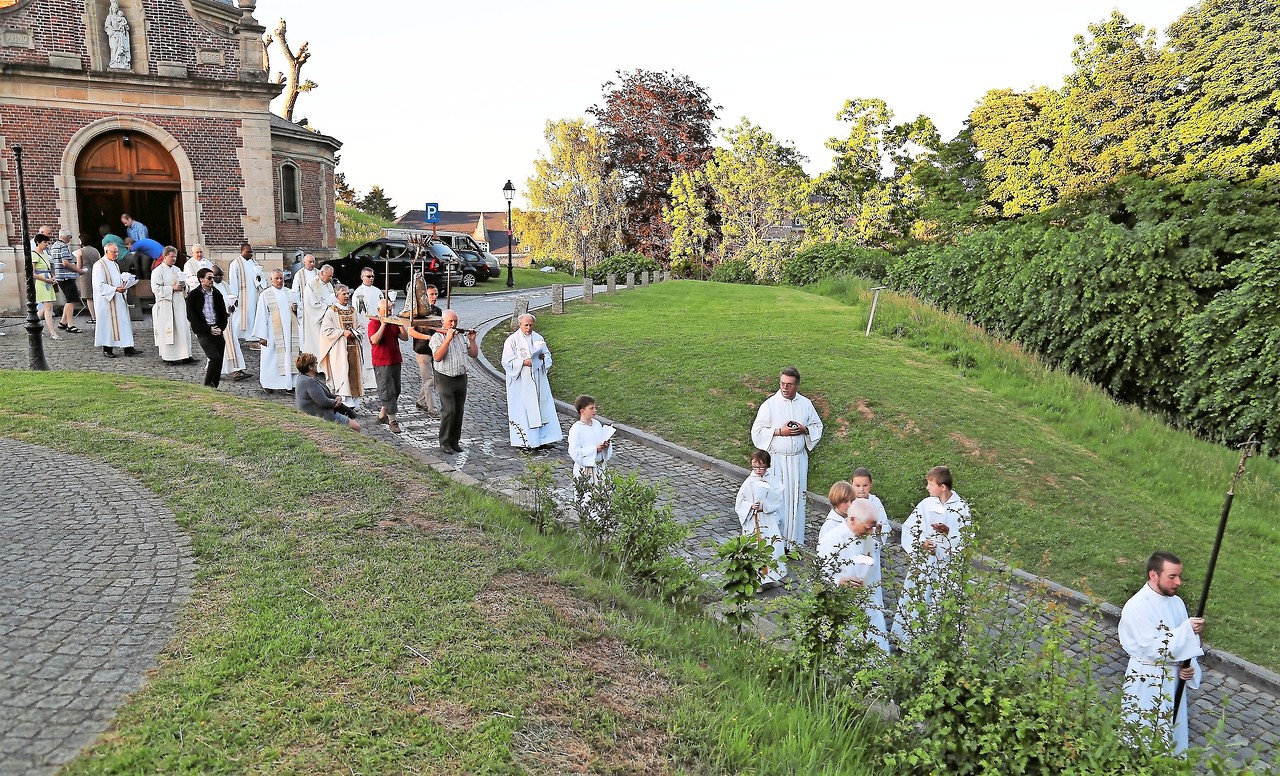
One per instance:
(432, 213)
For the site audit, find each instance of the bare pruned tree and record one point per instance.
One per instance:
(294, 85)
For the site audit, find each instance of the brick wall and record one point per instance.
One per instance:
(317, 205)
(210, 144)
(55, 25)
(172, 36)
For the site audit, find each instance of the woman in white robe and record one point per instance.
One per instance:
(757, 505)
(531, 412)
(169, 322)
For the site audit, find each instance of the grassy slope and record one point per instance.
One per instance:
(1062, 480)
(355, 612)
(358, 227)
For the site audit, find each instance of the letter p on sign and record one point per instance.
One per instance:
(432, 213)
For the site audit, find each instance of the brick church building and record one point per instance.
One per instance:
(158, 108)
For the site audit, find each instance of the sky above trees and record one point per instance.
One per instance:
(445, 102)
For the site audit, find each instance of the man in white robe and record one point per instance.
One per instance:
(1157, 633)
(850, 554)
(531, 412)
(340, 344)
(317, 298)
(275, 325)
(245, 280)
(306, 273)
(788, 427)
(113, 328)
(169, 314)
(366, 299)
(233, 364)
(194, 264)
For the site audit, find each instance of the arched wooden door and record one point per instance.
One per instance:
(129, 172)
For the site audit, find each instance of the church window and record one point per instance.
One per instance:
(290, 192)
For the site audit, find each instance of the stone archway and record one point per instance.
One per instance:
(185, 187)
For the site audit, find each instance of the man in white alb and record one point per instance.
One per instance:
(531, 412)
(317, 297)
(113, 328)
(1157, 633)
(232, 353)
(244, 278)
(169, 314)
(275, 325)
(788, 427)
(306, 273)
(194, 264)
(365, 299)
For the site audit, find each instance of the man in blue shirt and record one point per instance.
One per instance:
(135, 229)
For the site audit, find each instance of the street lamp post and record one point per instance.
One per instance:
(35, 345)
(509, 192)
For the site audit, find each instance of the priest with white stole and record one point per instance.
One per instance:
(113, 328)
(850, 557)
(531, 412)
(1157, 633)
(759, 499)
(306, 273)
(341, 343)
(275, 325)
(788, 427)
(365, 299)
(317, 298)
(232, 355)
(194, 264)
(245, 280)
(169, 314)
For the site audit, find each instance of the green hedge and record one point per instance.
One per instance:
(843, 257)
(620, 264)
(1138, 287)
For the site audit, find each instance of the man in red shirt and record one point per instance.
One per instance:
(384, 348)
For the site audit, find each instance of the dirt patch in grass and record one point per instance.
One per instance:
(623, 688)
(865, 410)
(448, 714)
(842, 428)
(760, 388)
(971, 446)
(821, 404)
(506, 594)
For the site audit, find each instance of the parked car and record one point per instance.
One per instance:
(475, 267)
(390, 259)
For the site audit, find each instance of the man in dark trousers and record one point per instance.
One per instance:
(207, 314)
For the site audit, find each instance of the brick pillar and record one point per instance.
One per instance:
(557, 298)
(588, 289)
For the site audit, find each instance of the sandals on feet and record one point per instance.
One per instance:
(74, 329)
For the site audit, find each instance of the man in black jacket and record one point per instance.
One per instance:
(207, 314)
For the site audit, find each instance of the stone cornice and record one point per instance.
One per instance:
(134, 82)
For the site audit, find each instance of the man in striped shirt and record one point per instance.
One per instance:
(450, 356)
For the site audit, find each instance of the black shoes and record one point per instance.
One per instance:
(108, 352)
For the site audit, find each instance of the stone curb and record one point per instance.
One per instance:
(1229, 664)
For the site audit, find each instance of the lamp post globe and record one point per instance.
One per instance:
(509, 193)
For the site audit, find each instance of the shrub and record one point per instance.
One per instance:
(844, 257)
(620, 264)
(733, 270)
(562, 265)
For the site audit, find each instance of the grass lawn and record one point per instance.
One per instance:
(358, 227)
(524, 278)
(1062, 480)
(355, 612)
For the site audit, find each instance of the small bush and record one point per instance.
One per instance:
(833, 259)
(620, 264)
(734, 270)
(561, 265)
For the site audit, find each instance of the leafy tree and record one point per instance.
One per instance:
(954, 197)
(757, 183)
(1225, 112)
(376, 203)
(342, 191)
(689, 217)
(869, 194)
(657, 124)
(1016, 136)
(571, 189)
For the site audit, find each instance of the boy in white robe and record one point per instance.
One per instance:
(759, 499)
(169, 323)
(591, 448)
(113, 328)
(932, 536)
(531, 411)
(850, 554)
(275, 326)
(1157, 634)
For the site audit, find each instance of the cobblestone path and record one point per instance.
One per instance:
(93, 570)
(1245, 703)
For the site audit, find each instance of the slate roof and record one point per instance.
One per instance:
(495, 225)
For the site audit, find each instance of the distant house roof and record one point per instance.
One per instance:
(468, 221)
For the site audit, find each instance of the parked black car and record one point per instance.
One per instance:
(390, 259)
(475, 267)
